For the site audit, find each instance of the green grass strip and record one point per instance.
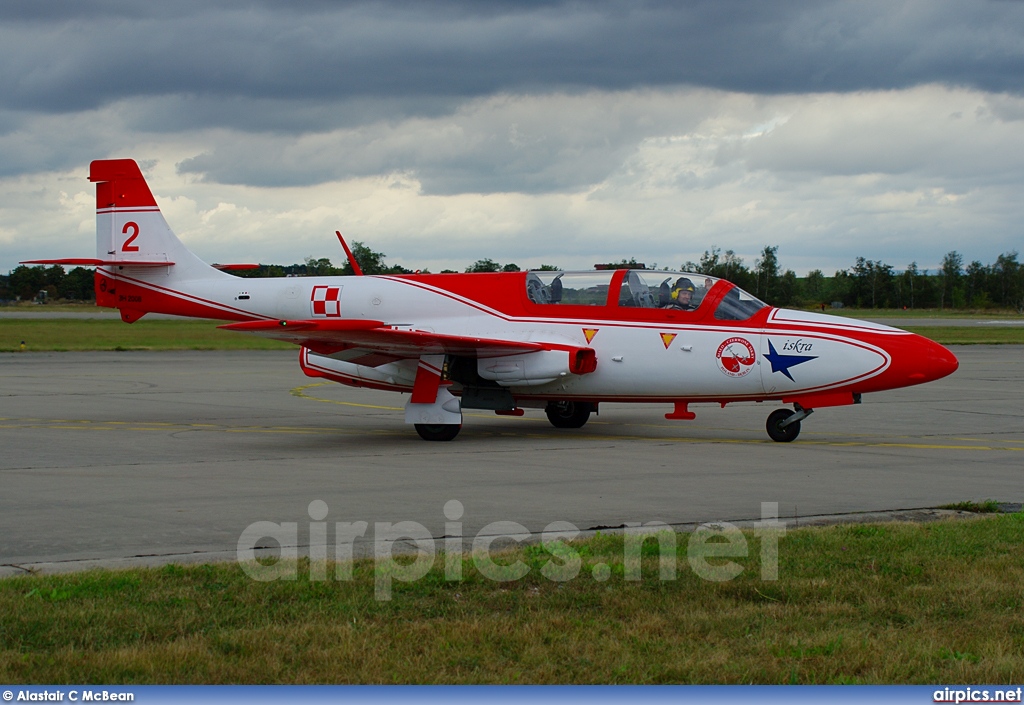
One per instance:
(881, 603)
(971, 335)
(98, 334)
(872, 313)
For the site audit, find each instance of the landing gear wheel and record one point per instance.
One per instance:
(568, 414)
(438, 431)
(779, 433)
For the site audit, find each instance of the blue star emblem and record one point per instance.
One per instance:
(782, 363)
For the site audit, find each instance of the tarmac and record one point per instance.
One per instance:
(142, 458)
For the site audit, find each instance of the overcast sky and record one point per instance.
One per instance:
(563, 133)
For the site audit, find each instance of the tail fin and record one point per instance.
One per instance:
(141, 265)
(130, 229)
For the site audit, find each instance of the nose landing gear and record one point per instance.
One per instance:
(784, 425)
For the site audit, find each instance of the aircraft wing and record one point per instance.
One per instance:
(327, 337)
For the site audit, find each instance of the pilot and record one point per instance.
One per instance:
(681, 296)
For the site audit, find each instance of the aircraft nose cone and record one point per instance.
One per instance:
(919, 360)
(941, 362)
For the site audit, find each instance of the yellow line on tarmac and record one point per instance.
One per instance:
(162, 427)
(273, 430)
(924, 446)
(9, 423)
(980, 440)
(301, 393)
(796, 444)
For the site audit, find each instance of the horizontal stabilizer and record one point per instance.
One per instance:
(85, 262)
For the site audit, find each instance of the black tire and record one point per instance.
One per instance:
(778, 433)
(568, 414)
(438, 431)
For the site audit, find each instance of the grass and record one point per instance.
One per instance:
(98, 334)
(988, 506)
(60, 305)
(994, 314)
(878, 603)
(971, 335)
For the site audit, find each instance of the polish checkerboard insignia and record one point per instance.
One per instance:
(325, 301)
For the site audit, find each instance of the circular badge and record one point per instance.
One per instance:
(736, 357)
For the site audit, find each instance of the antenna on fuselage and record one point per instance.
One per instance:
(351, 257)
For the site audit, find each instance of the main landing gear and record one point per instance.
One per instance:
(568, 414)
(784, 425)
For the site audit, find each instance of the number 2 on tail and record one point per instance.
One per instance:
(128, 246)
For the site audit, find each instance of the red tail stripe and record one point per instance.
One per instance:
(119, 183)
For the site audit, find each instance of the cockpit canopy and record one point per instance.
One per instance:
(643, 289)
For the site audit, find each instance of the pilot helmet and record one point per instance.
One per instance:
(682, 284)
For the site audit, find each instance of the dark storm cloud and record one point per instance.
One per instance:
(64, 57)
(174, 113)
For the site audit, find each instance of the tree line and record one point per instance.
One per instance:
(867, 284)
(875, 284)
(32, 283)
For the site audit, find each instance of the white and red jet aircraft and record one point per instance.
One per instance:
(561, 341)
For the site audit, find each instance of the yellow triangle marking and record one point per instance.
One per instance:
(589, 333)
(667, 338)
